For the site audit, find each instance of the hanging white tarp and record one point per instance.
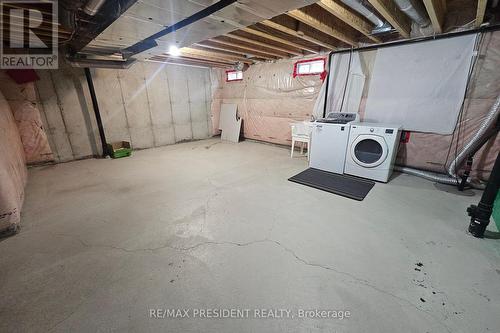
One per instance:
(422, 85)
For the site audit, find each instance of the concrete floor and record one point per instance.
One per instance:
(217, 225)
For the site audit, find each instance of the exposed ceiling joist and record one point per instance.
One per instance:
(187, 61)
(481, 9)
(390, 11)
(352, 19)
(213, 55)
(278, 39)
(271, 37)
(436, 10)
(298, 34)
(322, 26)
(250, 48)
(234, 50)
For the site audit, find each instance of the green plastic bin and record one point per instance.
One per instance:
(119, 149)
(496, 211)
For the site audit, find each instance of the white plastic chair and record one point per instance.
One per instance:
(301, 132)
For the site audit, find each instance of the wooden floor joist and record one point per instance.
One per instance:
(390, 11)
(216, 56)
(319, 25)
(349, 17)
(250, 48)
(270, 37)
(436, 10)
(298, 34)
(278, 39)
(233, 50)
(270, 46)
(187, 61)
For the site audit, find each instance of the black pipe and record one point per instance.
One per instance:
(327, 84)
(480, 214)
(150, 41)
(104, 144)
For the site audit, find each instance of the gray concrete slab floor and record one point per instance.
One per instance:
(210, 225)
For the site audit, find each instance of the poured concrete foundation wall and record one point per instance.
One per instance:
(149, 105)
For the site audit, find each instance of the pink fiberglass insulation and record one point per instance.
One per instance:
(23, 103)
(13, 173)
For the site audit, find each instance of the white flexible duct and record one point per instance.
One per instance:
(470, 146)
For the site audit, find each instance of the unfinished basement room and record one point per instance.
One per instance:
(250, 166)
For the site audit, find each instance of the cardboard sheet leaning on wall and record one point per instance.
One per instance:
(13, 173)
(268, 99)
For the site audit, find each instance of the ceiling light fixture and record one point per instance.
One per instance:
(174, 51)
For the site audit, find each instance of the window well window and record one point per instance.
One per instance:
(234, 76)
(309, 67)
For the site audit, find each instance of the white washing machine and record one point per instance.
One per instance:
(372, 150)
(329, 139)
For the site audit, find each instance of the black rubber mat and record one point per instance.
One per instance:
(347, 186)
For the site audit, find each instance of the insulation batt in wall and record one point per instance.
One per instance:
(150, 105)
(269, 98)
(13, 173)
(25, 107)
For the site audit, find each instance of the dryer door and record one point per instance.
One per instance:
(369, 151)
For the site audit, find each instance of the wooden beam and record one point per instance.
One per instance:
(255, 42)
(390, 11)
(346, 15)
(213, 55)
(481, 9)
(232, 49)
(298, 34)
(436, 10)
(249, 48)
(317, 24)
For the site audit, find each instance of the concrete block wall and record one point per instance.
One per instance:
(149, 105)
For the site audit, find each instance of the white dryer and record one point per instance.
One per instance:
(372, 150)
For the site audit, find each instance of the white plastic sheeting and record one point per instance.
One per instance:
(422, 85)
(347, 80)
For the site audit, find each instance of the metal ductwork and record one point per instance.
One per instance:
(357, 5)
(415, 11)
(93, 6)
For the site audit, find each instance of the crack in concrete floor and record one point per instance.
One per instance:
(356, 280)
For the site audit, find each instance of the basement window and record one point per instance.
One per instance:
(234, 76)
(310, 67)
